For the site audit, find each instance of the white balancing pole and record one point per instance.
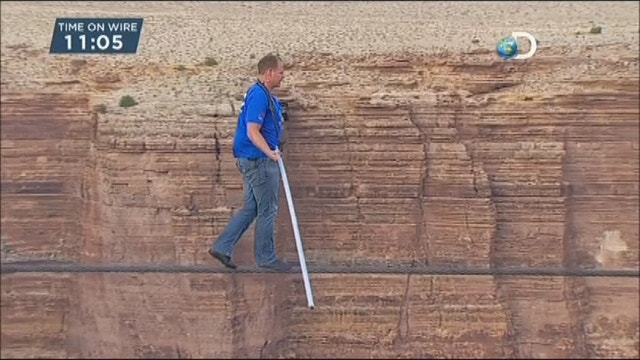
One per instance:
(296, 233)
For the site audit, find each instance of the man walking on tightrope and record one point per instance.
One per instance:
(255, 148)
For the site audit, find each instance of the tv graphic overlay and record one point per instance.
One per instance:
(508, 46)
(96, 36)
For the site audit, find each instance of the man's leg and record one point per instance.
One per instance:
(266, 195)
(240, 222)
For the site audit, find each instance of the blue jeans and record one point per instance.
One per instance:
(261, 190)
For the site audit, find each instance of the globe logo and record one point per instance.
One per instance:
(508, 46)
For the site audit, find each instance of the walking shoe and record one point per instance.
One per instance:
(277, 265)
(224, 259)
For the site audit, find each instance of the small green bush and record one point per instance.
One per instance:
(127, 101)
(209, 61)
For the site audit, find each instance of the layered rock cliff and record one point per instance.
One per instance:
(459, 159)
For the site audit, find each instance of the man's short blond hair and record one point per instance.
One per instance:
(269, 61)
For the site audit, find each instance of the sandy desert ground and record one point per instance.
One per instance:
(237, 34)
(185, 32)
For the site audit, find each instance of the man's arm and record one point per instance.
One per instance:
(253, 131)
(257, 108)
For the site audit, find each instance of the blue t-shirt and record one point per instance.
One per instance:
(255, 109)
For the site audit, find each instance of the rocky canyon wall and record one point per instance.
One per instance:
(457, 159)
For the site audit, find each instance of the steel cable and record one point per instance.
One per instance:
(69, 267)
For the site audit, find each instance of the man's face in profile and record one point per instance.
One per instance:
(276, 75)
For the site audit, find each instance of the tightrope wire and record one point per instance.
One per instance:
(68, 267)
